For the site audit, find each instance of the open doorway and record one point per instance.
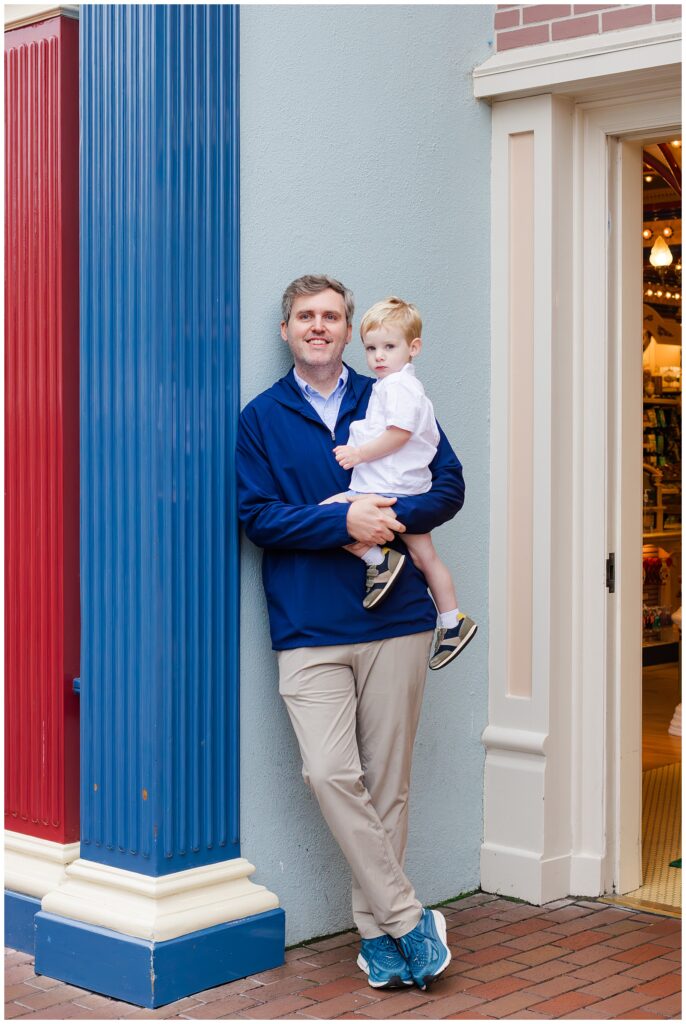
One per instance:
(661, 553)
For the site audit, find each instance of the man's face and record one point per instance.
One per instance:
(317, 332)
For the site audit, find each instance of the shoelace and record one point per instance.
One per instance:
(439, 638)
(420, 952)
(385, 950)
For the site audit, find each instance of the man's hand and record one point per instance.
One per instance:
(347, 456)
(371, 521)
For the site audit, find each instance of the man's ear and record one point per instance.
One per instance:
(349, 333)
(415, 347)
(284, 330)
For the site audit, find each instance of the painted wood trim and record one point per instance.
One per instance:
(577, 65)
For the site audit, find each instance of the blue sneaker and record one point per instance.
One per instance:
(383, 964)
(425, 948)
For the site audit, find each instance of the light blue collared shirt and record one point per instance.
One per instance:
(326, 408)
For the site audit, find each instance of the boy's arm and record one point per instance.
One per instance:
(271, 522)
(422, 513)
(392, 440)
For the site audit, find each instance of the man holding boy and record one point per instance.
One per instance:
(352, 680)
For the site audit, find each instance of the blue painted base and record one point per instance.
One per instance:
(20, 911)
(154, 973)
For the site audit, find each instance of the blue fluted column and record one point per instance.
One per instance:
(160, 857)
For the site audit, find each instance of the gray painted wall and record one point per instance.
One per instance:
(364, 156)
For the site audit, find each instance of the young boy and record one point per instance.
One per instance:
(389, 452)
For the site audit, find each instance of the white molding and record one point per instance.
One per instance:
(35, 866)
(162, 907)
(518, 740)
(20, 15)
(508, 871)
(607, 416)
(591, 63)
(560, 782)
(527, 791)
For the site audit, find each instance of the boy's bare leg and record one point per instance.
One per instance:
(425, 557)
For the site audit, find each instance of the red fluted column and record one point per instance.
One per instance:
(41, 447)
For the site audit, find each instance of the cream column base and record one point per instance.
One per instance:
(159, 908)
(35, 866)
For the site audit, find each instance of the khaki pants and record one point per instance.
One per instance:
(355, 710)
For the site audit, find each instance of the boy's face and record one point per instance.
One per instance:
(388, 350)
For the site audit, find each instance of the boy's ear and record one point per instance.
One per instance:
(415, 346)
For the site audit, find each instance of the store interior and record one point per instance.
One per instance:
(662, 533)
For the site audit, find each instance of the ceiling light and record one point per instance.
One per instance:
(660, 254)
(647, 233)
(667, 231)
(649, 291)
(659, 293)
(647, 178)
(677, 143)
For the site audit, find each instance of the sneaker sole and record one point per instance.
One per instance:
(383, 594)
(456, 651)
(442, 929)
(394, 982)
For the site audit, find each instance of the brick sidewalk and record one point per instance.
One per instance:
(576, 959)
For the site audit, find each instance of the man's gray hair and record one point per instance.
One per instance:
(312, 284)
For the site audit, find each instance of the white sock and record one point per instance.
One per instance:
(449, 619)
(374, 556)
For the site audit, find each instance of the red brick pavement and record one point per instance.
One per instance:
(572, 960)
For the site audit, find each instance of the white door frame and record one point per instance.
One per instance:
(563, 743)
(610, 407)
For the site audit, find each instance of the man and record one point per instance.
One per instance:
(352, 680)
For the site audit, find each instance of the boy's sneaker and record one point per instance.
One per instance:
(381, 578)
(426, 948)
(449, 642)
(383, 964)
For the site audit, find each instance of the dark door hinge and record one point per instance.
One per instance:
(610, 572)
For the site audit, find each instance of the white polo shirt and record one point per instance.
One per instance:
(398, 400)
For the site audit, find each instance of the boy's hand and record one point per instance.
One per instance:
(347, 456)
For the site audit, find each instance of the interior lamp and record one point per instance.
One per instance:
(660, 254)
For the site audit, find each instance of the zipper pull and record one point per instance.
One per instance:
(333, 436)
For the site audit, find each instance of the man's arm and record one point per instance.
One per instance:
(271, 522)
(422, 513)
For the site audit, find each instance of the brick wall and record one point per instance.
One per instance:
(529, 24)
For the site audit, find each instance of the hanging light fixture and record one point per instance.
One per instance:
(660, 254)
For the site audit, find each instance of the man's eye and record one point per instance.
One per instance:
(303, 316)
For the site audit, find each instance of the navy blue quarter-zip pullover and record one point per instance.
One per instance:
(285, 466)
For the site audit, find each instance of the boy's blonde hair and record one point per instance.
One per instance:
(393, 311)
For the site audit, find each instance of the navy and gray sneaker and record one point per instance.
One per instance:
(425, 948)
(383, 964)
(381, 578)
(449, 642)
